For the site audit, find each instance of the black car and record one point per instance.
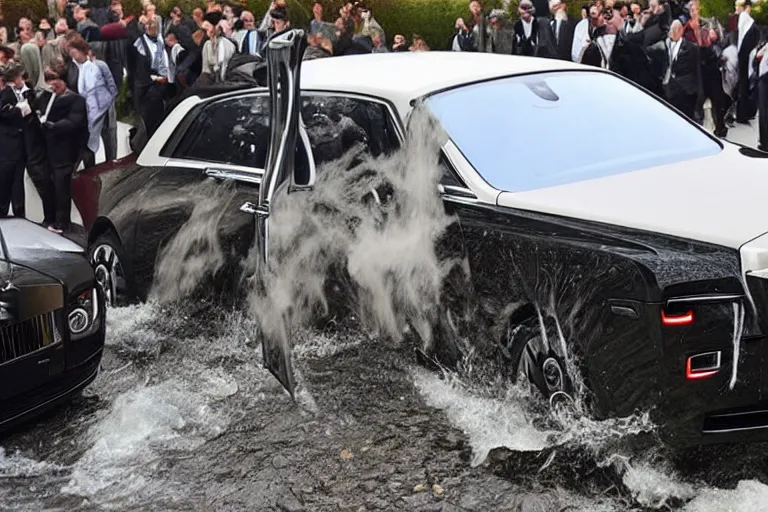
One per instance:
(635, 271)
(51, 320)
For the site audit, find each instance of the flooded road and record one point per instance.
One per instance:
(183, 417)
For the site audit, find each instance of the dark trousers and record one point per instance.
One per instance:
(9, 176)
(37, 168)
(684, 103)
(61, 173)
(109, 134)
(762, 109)
(745, 105)
(41, 178)
(18, 199)
(150, 102)
(89, 158)
(712, 83)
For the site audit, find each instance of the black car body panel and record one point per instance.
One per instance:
(41, 364)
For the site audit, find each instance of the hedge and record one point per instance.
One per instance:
(432, 19)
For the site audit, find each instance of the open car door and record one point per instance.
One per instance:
(284, 54)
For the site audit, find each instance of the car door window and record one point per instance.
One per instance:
(232, 131)
(335, 124)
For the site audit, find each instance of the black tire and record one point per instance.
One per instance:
(535, 354)
(112, 270)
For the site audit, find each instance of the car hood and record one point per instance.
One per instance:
(41, 252)
(718, 199)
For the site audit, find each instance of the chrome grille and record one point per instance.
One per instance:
(22, 339)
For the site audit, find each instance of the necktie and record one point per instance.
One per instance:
(246, 43)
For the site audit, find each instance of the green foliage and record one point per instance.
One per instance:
(14, 9)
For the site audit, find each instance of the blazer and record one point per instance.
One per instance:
(556, 46)
(523, 45)
(685, 78)
(11, 127)
(67, 137)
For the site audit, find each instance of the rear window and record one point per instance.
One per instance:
(549, 129)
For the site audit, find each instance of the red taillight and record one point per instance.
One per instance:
(694, 375)
(677, 320)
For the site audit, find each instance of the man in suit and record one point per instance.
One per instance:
(559, 31)
(65, 127)
(150, 76)
(248, 38)
(13, 110)
(676, 60)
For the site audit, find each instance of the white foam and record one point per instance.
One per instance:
(16, 465)
(749, 496)
(128, 445)
(488, 422)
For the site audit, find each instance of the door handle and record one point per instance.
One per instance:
(253, 209)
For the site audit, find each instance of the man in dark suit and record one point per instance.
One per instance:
(65, 126)
(13, 110)
(676, 62)
(557, 35)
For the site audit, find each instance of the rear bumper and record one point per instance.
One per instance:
(22, 407)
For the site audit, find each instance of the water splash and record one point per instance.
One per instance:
(382, 252)
(195, 251)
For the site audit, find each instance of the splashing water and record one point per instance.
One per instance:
(385, 252)
(195, 251)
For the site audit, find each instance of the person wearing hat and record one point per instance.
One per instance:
(217, 50)
(13, 110)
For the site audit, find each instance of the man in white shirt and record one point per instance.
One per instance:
(248, 39)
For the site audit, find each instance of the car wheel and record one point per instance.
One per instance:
(537, 360)
(106, 257)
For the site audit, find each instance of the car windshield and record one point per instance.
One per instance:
(543, 130)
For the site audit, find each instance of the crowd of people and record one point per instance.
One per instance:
(60, 78)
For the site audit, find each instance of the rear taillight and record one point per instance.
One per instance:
(676, 319)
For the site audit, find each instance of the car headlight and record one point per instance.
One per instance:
(83, 316)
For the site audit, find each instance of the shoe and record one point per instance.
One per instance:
(54, 229)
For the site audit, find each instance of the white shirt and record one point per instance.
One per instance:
(580, 34)
(527, 28)
(673, 47)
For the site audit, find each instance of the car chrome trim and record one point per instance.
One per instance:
(482, 190)
(725, 297)
(716, 366)
(454, 190)
(221, 173)
(150, 155)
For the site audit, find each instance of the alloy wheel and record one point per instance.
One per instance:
(544, 369)
(109, 274)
